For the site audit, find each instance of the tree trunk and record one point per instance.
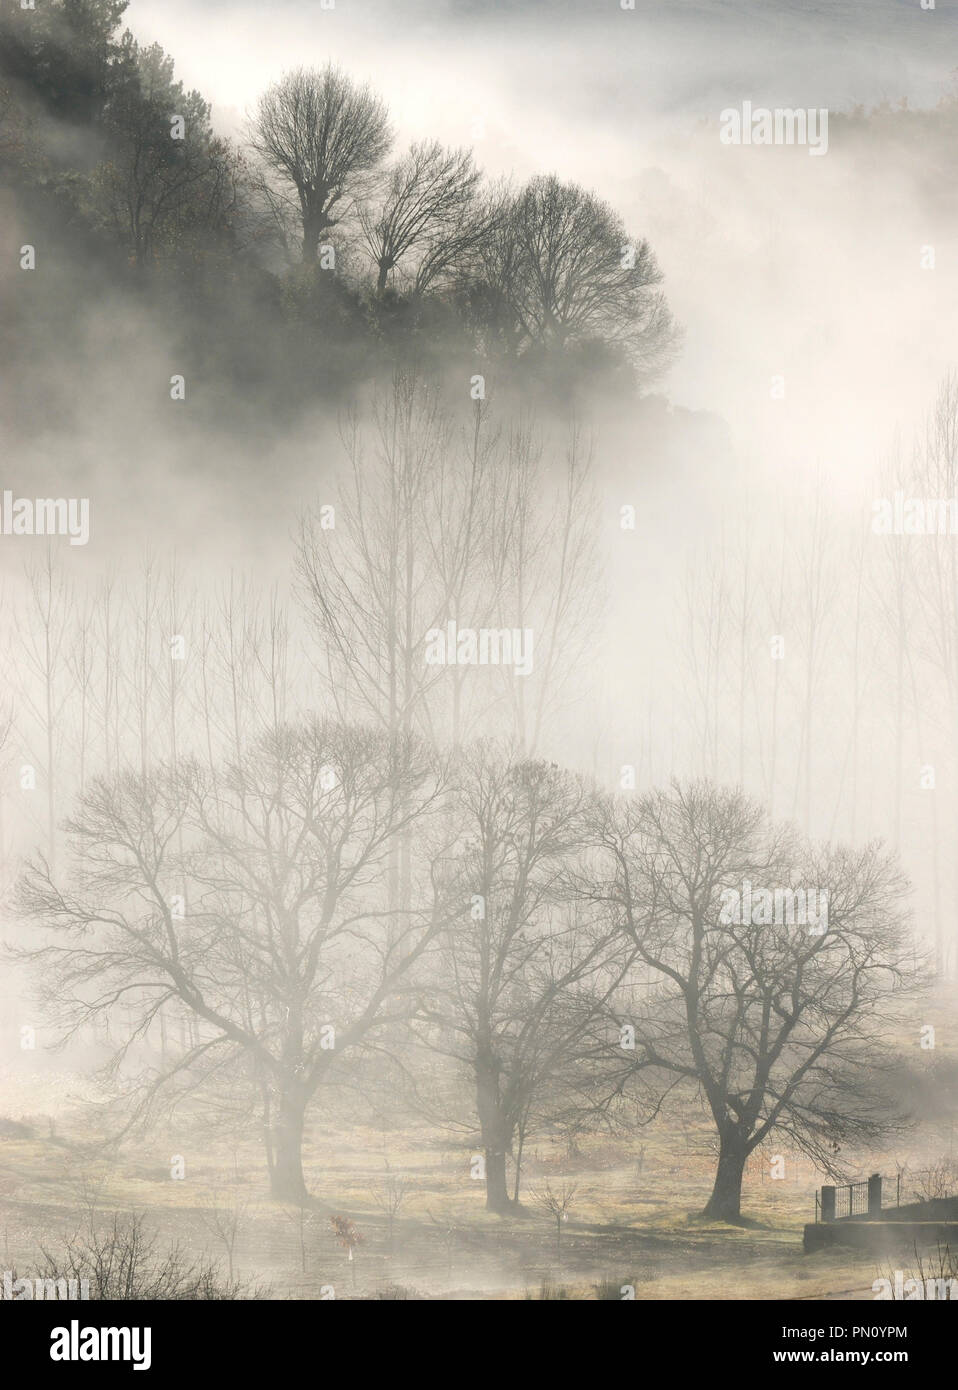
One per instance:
(496, 1139)
(521, 1136)
(310, 245)
(726, 1200)
(286, 1179)
(497, 1193)
(313, 227)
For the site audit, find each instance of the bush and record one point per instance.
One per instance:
(123, 1262)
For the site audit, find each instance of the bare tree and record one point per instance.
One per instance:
(705, 603)
(557, 1203)
(368, 580)
(543, 553)
(815, 600)
(423, 221)
(284, 958)
(389, 1196)
(559, 270)
(525, 973)
(301, 1217)
(371, 582)
(319, 135)
(777, 1024)
(222, 1220)
(933, 570)
(123, 1260)
(434, 524)
(43, 631)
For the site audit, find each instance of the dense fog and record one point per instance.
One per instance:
(478, 749)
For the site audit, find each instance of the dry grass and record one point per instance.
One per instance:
(633, 1221)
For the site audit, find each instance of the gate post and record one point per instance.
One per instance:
(874, 1195)
(828, 1204)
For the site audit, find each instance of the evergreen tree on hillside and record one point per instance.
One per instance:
(64, 54)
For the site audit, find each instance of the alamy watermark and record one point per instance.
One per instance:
(45, 516)
(76, 1343)
(909, 1290)
(761, 125)
(480, 646)
(16, 1290)
(781, 907)
(915, 516)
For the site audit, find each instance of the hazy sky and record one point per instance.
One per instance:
(589, 58)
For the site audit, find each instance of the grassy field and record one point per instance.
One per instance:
(632, 1221)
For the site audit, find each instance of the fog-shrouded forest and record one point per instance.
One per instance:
(479, 631)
